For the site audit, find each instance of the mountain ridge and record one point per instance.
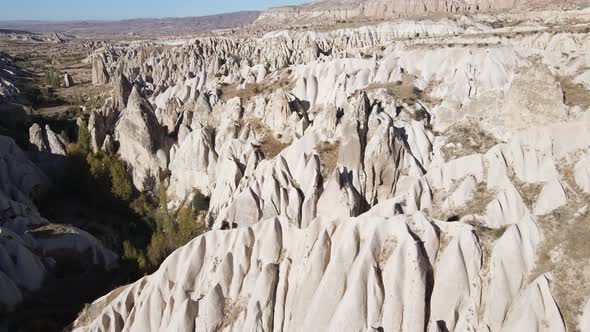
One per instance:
(140, 26)
(324, 11)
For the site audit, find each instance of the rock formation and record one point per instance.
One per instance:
(415, 175)
(328, 11)
(99, 71)
(121, 91)
(68, 80)
(142, 142)
(30, 244)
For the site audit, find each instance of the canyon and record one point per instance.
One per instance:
(368, 166)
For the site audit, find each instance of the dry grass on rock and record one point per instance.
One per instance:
(565, 249)
(231, 312)
(270, 145)
(565, 253)
(328, 153)
(250, 90)
(574, 94)
(406, 91)
(477, 205)
(529, 192)
(467, 139)
(51, 230)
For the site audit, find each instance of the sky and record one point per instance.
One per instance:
(67, 10)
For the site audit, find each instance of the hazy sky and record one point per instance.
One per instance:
(120, 9)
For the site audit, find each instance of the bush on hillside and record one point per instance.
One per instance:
(200, 202)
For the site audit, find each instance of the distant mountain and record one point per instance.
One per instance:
(338, 10)
(142, 26)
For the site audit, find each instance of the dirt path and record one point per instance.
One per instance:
(53, 110)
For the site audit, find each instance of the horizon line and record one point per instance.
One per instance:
(106, 20)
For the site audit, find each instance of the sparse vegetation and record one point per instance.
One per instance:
(173, 230)
(200, 202)
(564, 248)
(403, 90)
(270, 145)
(574, 94)
(51, 78)
(106, 181)
(529, 192)
(328, 153)
(467, 139)
(482, 196)
(563, 252)
(387, 249)
(499, 24)
(477, 205)
(422, 115)
(229, 91)
(366, 55)
(231, 312)
(23, 61)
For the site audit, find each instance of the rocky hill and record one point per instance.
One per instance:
(353, 10)
(413, 175)
(143, 27)
(420, 175)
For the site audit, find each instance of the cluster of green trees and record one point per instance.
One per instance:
(106, 181)
(23, 61)
(52, 78)
(102, 178)
(173, 229)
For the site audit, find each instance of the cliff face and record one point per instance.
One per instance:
(328, 10)
(334, 10)
(406, 176)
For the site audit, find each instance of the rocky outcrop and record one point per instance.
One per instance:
(101, 124)
(515, 251)
(121, 90)
(295, 279)
(8, 77)
(289, 291)
(142, 143)
(194, 164)
(330, 11)
(68, 80)
(100, 75)
(45, 140)
(401, 176)
(30, 245)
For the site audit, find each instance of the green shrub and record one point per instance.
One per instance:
(83, 139)
(52, 78)
(171, 234)
(188, 226)
(133, 255)
(499, 232)
(421, 115)
(158, 249)
(23, 61)
(104, 181)
(200, 202)
(163, 196)
(143, 207)
(101, 179)
(121, 185)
